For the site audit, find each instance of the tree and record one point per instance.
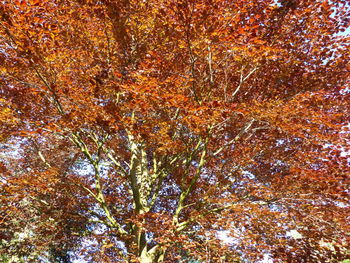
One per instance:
(144, 131)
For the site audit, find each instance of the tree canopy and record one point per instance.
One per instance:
(174, 130)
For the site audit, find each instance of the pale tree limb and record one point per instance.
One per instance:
(189, 189)
(161, 178)
(242, 80)
(99, 197)
(236, 138)
(51, 89)
(134, 167)
(41, 156)
(181, 226)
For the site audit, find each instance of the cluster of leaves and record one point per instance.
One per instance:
(138, 131)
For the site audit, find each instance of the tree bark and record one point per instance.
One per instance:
(153, 255)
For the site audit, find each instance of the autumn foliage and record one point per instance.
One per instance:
(174, 130)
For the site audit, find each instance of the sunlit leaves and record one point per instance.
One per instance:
(169, 122)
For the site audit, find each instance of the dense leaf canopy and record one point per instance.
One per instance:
(174, 130)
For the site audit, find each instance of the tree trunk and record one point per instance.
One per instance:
(154, 255)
